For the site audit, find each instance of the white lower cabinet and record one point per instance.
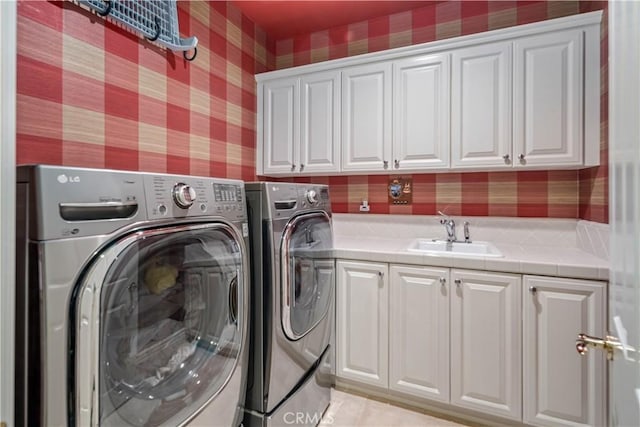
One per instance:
(562, 388)
(496, 343)
(486, 339)
(362, 322)
(419, 332)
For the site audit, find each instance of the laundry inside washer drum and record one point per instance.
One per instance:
(169, 327)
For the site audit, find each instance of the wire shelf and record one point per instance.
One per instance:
(157, 20)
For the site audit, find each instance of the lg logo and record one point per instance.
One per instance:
(64, 179)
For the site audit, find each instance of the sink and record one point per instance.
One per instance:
(442, 247)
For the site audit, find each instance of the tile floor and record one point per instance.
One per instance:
(350, 410)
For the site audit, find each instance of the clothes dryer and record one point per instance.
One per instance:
(293, 281)
(132, 299)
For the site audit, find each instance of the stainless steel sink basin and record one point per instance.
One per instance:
(442, 247)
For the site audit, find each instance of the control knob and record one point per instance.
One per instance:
(312, 197)
(184, 195)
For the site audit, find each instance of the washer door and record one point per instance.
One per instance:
(308, 273)
(160, 323)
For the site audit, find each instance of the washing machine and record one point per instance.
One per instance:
(292, 304)
(132, 293)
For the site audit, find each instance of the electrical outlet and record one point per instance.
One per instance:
(364, 206)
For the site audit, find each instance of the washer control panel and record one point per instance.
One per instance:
(172, 196)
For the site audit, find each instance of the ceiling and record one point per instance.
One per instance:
(286, 19)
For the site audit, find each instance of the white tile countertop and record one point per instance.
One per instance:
(540, 246)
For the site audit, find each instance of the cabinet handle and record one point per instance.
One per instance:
(506, 158)
(301, 167)
(533, 289)
(458, 282)
(521, 157)
(443, 281)
(385, 164)
(293, 167)
(396, 163)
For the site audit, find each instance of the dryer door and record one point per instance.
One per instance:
(308, 273)
(160, 319)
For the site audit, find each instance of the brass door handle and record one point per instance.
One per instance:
(609, 344)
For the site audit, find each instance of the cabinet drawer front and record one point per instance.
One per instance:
(419, 332)
(362, 322)
(560, 386)
(486, 342)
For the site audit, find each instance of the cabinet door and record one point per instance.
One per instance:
(320, 122)
(486, 342)
(421, 112)
(560, 386)
(548, 78)
(281, 125)
(481, 106)
(419, 332)
(362, 322)
(366, 117)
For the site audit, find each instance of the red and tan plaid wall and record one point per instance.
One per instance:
(92, 94)
(567, 194)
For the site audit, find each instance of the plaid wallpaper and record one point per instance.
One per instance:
(92, 94)
(566, 194)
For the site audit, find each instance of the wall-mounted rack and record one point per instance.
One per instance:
(156, 20)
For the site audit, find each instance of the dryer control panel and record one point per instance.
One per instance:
(173, 196)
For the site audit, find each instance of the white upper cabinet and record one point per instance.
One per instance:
(421, 112)
(524, 97)
(366, 117)
(281, 125)
(548, 99)
(481, 106)
(301, 125)
(320, 122)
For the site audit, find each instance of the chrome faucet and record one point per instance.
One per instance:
(450, 226)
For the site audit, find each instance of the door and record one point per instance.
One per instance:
(7, 209)
(421, 112)
(160, 318)
(419, 332)
(560, 386)
(486, 339)
(362, 318)
(481, 106)
(307, 273)
(624, 152)
(366, 117)
(281, 125)
(548, 99)
(320, 126)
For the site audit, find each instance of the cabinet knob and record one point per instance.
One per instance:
(521, 157)
(443, 281)
(380, 274)
(506, 158)
(458, 282)
(533, 289)
(396, 163)
(293, 167)
(385, 164)
(301, 167)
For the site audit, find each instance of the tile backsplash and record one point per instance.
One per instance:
(557, 194)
